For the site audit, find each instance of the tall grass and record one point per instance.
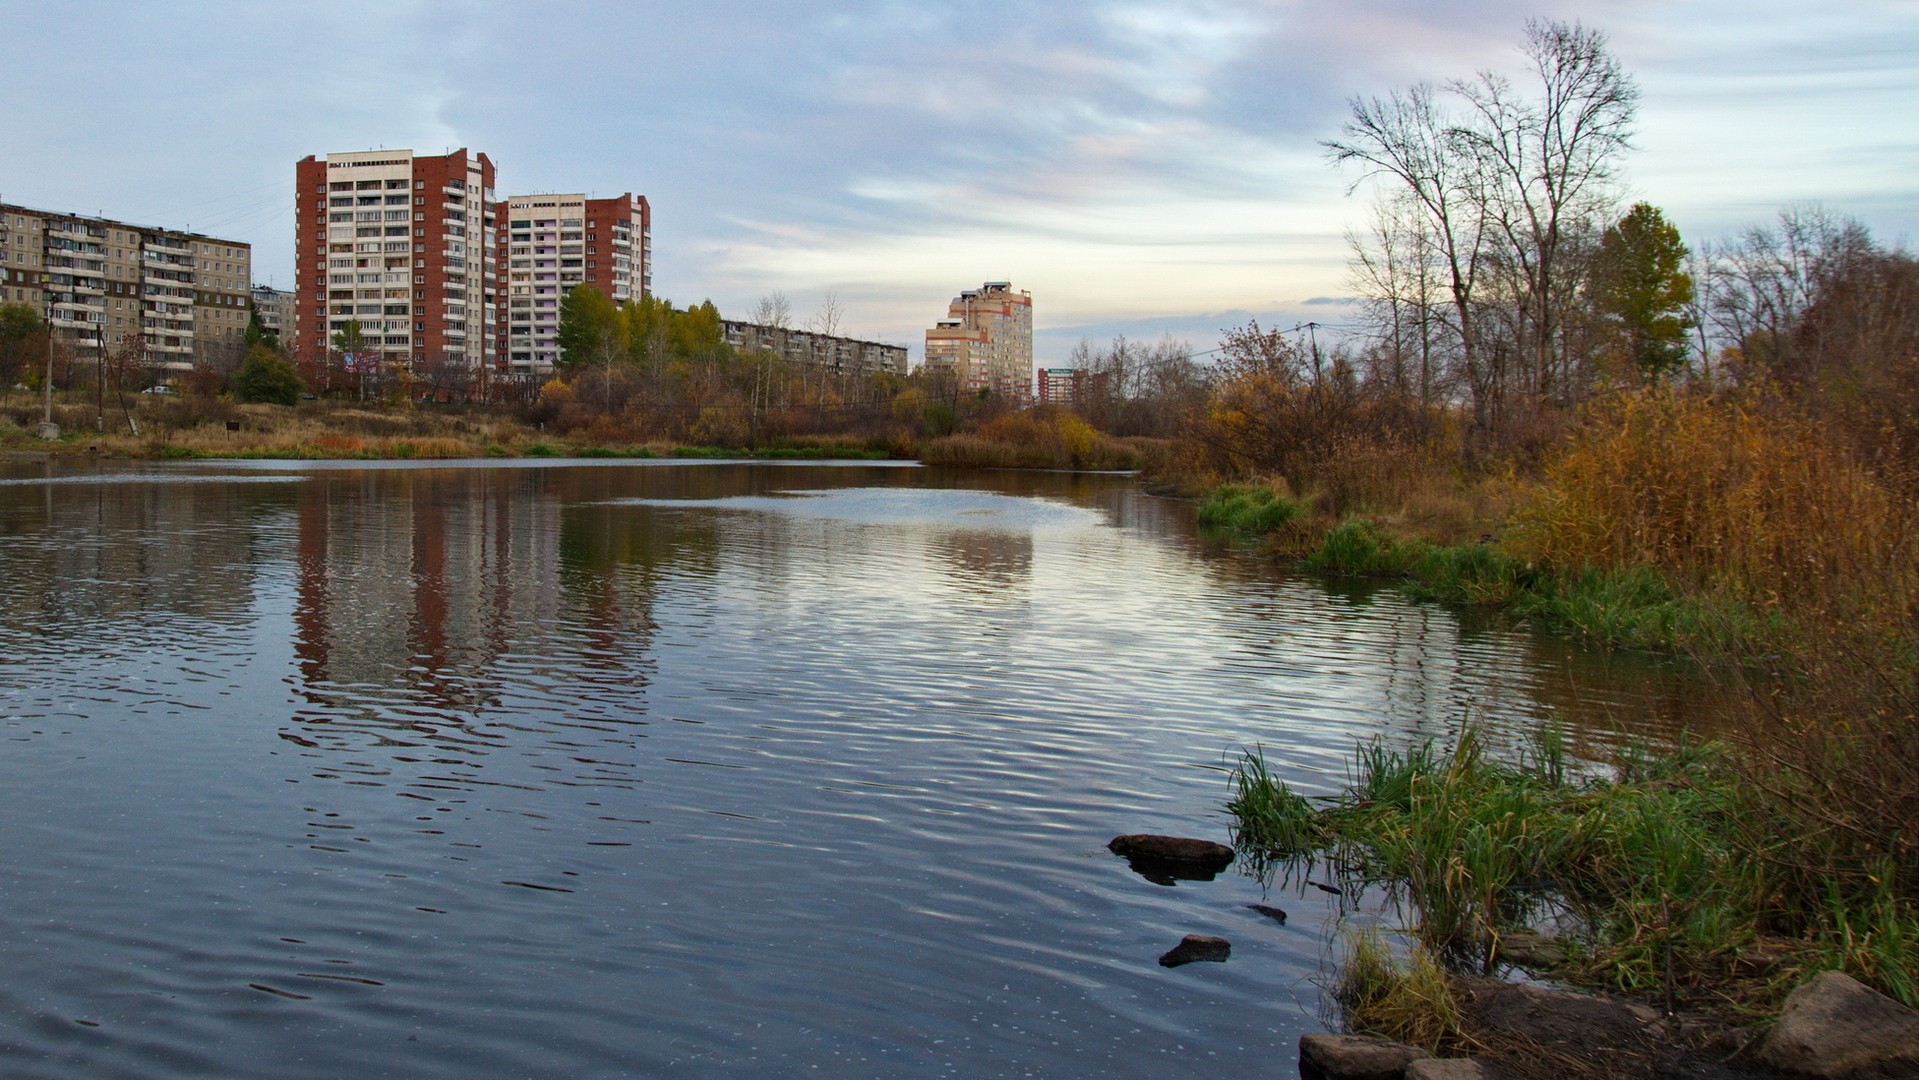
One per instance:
(1673, 865)
(1410, 1000)
(1750, 498)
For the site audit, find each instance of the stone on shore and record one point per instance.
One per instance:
(1195, 947)
(1837, 1027)
(1447, 1069)
(1355, 1057)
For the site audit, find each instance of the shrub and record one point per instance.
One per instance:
(1751, 497)
(266, 378)
(1248, 509)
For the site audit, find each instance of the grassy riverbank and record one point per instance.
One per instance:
(1697, 878)
(186, 428)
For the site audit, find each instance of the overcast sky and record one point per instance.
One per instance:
(1140, 167)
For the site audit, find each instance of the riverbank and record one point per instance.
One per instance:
(1636, 607)
(1683, 879)
(186, 428)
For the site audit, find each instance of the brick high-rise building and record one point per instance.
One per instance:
(404, 245)
(547, 245)
(169, 297)
(986, 342)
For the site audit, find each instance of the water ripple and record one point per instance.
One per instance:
(732, 770)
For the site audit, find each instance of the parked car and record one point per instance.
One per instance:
(158, 390)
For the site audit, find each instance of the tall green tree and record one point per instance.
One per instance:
(350, 338)
(257, 332)
(1642, 292)
(591, 331)
(22, 338)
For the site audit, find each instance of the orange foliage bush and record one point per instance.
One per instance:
(1752, 496)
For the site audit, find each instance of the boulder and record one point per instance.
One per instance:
(1355, 1057)
(1836, 1026)
(1167, 859)
(1197, 947)
(1447, 1069)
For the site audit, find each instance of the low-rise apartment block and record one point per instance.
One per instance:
(832, 353)
(986, 342)
(167, 297)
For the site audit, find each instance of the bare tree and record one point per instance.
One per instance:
(1546, 162)
(1496, 201)
(1409, 141)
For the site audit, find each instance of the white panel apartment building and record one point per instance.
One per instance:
(401, 243)
(548, 245)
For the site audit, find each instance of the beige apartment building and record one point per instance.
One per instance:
(172, 298)
(275, 307)
(986, 342)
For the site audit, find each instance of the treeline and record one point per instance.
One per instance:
(649, 371)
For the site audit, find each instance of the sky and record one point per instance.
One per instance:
(1143, 168)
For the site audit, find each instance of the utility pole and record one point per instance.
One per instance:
(48, 429)
(100, 382)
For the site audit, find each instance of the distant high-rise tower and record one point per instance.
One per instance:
(547, 245)
(986, 341)
(404, 245)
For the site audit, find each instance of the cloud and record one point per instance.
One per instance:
(1125, 159)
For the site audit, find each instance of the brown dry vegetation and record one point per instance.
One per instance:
(1037, 439)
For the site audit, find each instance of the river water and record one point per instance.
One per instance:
(708, 769)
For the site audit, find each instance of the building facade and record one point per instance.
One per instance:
(547, 245)
(829, 352)
(986, 342)
(402, 244)
(275, 307)
(164, 297)
(1067, 387)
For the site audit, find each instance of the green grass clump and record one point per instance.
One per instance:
(539, 450)
(1678, 868)
(1635, 607)
(1268, 816)
(615, 452)
(1248, 509)
(1358, 547)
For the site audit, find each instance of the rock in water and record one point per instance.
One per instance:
(1836, 1026)
(1194, 947)
(1172, 849)
(1355, 1057)
(1166, 859)
(1272, 913)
